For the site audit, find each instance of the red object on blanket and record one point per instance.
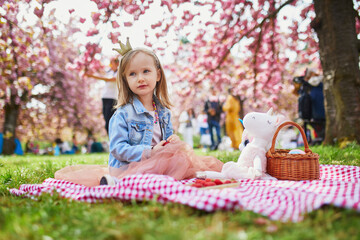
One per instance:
(279, 200)
(200, 183)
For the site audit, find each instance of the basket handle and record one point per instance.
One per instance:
(306, 145)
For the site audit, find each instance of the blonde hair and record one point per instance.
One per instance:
(125, 94)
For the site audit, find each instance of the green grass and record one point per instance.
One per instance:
(52, 217)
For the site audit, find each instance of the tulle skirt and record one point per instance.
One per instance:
(176, 159)
(88, 175)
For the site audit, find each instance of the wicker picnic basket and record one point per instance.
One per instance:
(296, 167)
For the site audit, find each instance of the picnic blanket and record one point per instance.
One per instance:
(339, 185)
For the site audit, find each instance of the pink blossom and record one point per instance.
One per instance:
(92, 32)
(114, 37)
(131, 8)
(167, 4)
(153, 26)
(115, 24)
(95, 17)
(39, 12)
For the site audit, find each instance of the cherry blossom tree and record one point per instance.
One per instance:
(41, 86)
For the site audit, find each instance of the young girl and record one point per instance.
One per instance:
(140, 131)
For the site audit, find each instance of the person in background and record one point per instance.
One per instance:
(29, 147)
(90, 141)
(57, 147)
(317, 103)
(96, 147)
(74, 148)
(203, 129)
(66, 149)
(188, 125)
(233, 126)
(110, 91)
(213, 111)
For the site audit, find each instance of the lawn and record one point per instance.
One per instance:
(52, 217)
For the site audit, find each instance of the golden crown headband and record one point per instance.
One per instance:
(123, 48)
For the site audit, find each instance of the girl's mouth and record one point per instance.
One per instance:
(142, 86)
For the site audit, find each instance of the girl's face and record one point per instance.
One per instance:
(142, 75)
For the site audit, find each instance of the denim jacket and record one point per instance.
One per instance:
(131, 131)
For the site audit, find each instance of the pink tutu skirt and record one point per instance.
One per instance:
(176, 159)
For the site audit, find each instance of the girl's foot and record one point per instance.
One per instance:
(107, 180)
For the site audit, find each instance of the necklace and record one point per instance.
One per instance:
(156, 113)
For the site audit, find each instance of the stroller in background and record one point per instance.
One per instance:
(311, 109)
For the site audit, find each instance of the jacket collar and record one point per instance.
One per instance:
(139, 107)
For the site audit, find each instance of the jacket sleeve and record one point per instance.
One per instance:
(119, 140)
(168, 125)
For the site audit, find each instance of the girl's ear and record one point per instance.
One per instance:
(158, 75)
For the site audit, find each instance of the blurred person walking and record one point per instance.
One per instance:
(213, 111)
(233, 127)
(188, 126)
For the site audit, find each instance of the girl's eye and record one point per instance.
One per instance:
(146, 71)
(132, 74)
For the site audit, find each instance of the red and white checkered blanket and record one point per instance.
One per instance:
(279, 200)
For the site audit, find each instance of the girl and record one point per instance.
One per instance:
(140, 131)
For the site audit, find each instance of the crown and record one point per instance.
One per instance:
(123, 48)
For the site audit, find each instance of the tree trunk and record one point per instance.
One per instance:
(11, 115)
(335, 27)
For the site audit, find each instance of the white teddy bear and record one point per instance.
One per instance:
(251, 163)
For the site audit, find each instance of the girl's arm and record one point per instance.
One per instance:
(119, 140)
(168, 127)
(113, 79)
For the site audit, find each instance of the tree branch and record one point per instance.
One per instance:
(271, 15)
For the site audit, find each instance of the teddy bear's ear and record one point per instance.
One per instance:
(270, 112)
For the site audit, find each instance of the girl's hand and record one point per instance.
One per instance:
(159, 145)
(173, 138)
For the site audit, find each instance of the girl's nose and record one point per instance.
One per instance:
(141, 77)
